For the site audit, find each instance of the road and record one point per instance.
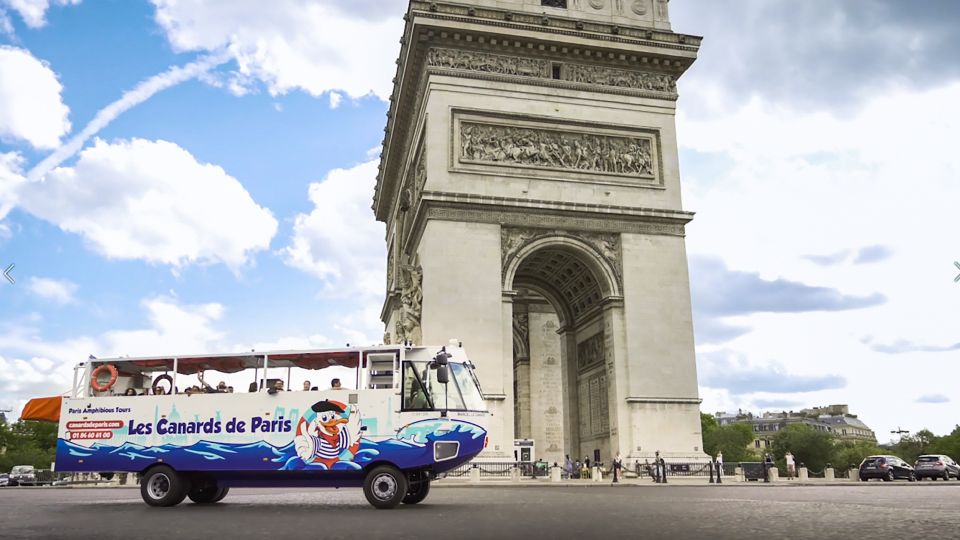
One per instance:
(872, 511)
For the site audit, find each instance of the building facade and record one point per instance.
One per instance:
(833, 419)
(530, 186)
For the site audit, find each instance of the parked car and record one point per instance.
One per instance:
(23, 475)
(936, 466)
(4, 479)
(886, 468)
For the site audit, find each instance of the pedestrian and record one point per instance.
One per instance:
(791, 465)
(576, 469)
(719, 463)
(617, 465)
(649, 468)
(656, 465)
(568, 467)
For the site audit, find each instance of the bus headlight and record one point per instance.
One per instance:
(444, 450)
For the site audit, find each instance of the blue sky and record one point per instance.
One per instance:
(230, 209)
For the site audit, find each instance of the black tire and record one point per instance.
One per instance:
(207, 491)
(163, 486)
(890, 477)
(863, 478)
(912, 477)
(385, 487)
(946, 476)
(934, 478)
(417, 492)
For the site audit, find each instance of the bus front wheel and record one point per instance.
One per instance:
(385, 487)
(163, 486)
(417, 492)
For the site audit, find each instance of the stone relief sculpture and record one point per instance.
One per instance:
(411, 303)
(663, 12)
(639, 7)
(521, 335)
(590, 351)
(486, 62)
(548, 149)
(620, 77)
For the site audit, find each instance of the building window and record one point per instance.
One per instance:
(556, 71)
(554, 3)
(766, 443)
(757, 443)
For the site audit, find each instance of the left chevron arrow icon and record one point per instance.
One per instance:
(7, 274)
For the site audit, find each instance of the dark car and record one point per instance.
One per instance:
(886, 468)
(936, 466)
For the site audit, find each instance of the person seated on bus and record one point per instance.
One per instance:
(229, 389)
(335, 385)
(306, 386)
(277, 387)
(222, 387)
(130, 392)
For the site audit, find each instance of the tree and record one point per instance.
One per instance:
(732, 440)
(948, 444)
(27, 443)
(849, 453)
(809, 446)
(911, 447)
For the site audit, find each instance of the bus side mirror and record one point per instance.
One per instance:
(443, 374)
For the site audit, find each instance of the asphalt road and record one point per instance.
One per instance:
(859, 511)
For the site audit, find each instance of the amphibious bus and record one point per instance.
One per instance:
(415, 413)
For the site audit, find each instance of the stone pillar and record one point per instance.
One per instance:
(773, 473)
(803, 474)
(555, 473)
(596, 475)
(738, 475)
(515, 474)
(475, 475)
(854, 475)
(828, 473)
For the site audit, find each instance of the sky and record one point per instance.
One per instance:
(182, 176)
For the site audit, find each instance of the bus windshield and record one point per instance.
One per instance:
(422, 391)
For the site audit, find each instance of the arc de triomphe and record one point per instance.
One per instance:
(530, 186)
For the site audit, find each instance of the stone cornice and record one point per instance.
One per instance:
(515, 212)
(614, 45)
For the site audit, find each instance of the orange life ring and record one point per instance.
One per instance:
(95, 384)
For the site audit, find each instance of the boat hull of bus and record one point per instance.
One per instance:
(288, 438)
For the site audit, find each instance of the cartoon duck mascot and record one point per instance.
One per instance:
(332, 435)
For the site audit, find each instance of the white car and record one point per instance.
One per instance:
(4, 479)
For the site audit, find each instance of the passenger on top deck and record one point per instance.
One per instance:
(335, 385)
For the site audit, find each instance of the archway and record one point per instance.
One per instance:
(563, 289)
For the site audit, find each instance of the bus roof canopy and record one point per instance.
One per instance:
(233, 363)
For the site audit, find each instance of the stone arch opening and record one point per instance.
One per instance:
(562, 289)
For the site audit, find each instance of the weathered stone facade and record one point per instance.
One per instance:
(530, 186)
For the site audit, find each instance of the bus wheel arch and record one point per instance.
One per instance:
(161, 485)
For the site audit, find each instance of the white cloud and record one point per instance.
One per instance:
(771, 185)
(60, 291)
(152, 200)
(315, 46)
(31, 108)
(11, 178)
(339, 241)
(34, 12)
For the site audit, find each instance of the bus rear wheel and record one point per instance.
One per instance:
(163, 486)
(385, 487)
(207, 492)
(417, 492)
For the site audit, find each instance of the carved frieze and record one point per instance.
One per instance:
(556, 149)
(590, 351)
(521, 336)
(488, 63)
(623, 78)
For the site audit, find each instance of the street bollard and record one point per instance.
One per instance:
(853, 474)
(828, 473)
(515, 474)
(475, 474)
(803, 474)
(596, 475)
(710, 464)
(773, 474)
(738, 475)
(555, 473)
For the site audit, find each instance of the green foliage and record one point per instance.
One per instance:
(27, 443)
(913, 446)
(732, 440)
(849, 453)
(809, 446)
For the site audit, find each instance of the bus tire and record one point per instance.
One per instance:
(207, 493)
(417, 492)
(163, 486)
(385, 486)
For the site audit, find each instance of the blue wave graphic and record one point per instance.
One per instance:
(411, 448)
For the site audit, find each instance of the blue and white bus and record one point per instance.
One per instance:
(414, 413)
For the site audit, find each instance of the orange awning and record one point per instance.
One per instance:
(44, 409)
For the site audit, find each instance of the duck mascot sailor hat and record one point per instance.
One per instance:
(330, 436)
